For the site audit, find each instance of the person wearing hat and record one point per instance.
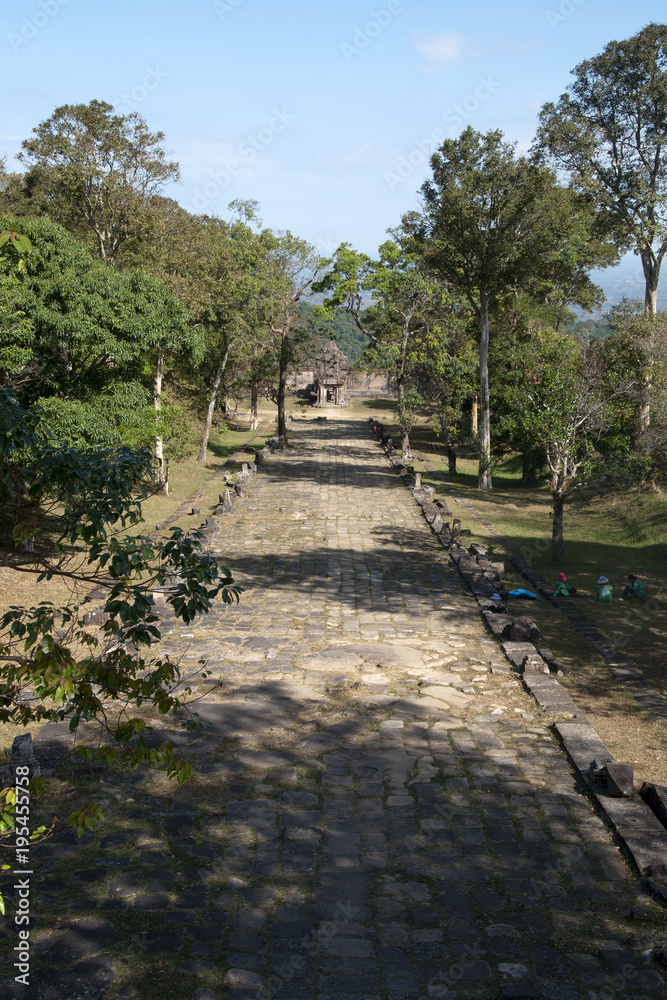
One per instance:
(604, 590)
(633, 589)
(561, 589)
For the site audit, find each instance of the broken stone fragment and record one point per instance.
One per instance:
(522, 630)
(620, 780)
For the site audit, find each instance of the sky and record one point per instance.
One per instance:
(325, 114)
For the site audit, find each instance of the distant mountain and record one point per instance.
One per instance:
(340, 328)
(626, 280)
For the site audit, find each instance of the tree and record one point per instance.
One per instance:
(566, 396)
(89, 348)
(94, 172)
(233, 319)
(494, 223)
(392, 303)
(293, 267)
(81, 504)
(609, 132)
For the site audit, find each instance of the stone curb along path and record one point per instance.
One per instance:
(642, 833)
(183, 508)
(632, 679)
(362, 824)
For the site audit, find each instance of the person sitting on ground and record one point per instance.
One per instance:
(562, 589)
(604, 590)
(633, 589)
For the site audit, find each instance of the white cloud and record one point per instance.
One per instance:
(440, 50)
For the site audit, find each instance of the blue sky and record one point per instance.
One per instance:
(326, 113)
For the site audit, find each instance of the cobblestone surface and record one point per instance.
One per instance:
(380, 811)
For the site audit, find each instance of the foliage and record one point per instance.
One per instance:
(608, 131)
(74, 507)
(406, 316)
(340, 326)
(495, 223)
(94, 172)
(566, 394)
(77, 339)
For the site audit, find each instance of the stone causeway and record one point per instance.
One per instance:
(381, 810)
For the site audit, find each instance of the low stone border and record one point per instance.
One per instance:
(643, 835)
(189, 501)
(632, 680)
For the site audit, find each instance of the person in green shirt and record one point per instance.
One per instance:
(604, 590)
(561, 589)
(633, 589)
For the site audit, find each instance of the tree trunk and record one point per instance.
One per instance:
(651, 267)
(531, 466)
(557, 530)
(484, 482)
(254, 408)
(160, 477)
(201, 457)
(406, 453)
(451, 454)
(474, 418)
(282, 390)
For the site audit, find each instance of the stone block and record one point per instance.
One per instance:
(97, 617)
(522, 630)
(619, 780)
(655, 797)
(534, 664)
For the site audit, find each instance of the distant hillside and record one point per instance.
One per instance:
(340, 328)
(595, 329)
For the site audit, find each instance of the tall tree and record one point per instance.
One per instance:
(293, 267)
(494, 222)
(84, 349)
(610, 132)
(94, 171)
(566, 396)
(392, 303)
(233, 320)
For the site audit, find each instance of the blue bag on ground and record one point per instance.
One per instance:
(523, 593)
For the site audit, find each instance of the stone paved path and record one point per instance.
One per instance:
(380, 812)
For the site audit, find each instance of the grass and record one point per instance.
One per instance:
(615, 536)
